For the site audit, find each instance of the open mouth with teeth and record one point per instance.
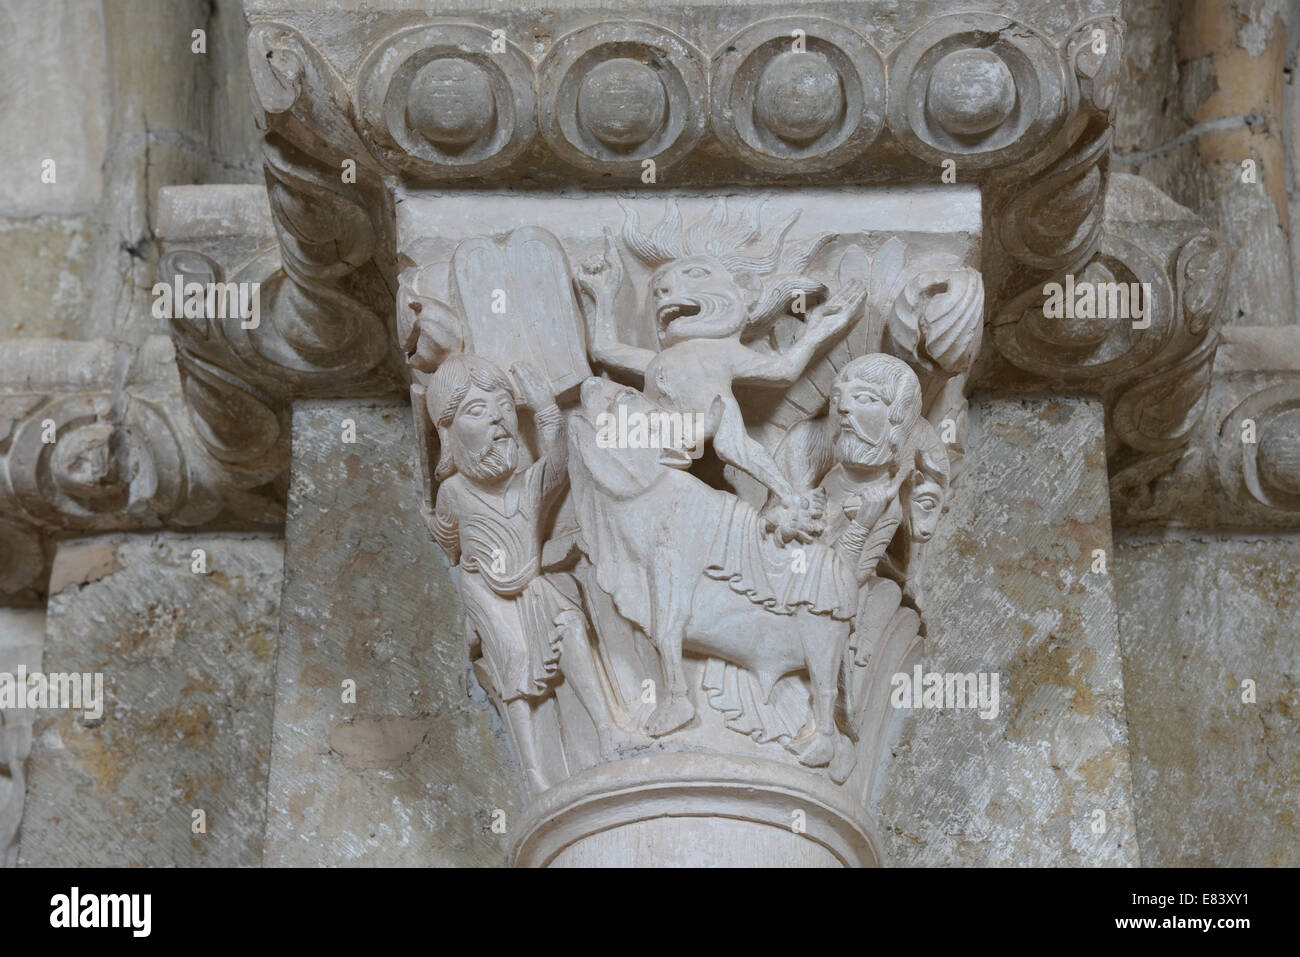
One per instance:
(670, 312)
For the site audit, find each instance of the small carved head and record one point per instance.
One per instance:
(710, 279)
(925, 492)
(472, 402)
(85, 466)
(875, 403)
(696, 298)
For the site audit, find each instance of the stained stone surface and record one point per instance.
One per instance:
(1216, 780)
(1010, 589)
(412, 772)
(22, 635)
(52, 113)
(187, 663)
(116, 95)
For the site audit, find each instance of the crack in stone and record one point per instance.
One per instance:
(1254, 120)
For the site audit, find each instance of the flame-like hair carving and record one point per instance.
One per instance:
(735, 243)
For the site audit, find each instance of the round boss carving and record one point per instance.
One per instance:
(615, 94)
(971, 92)
(798, 94)
(1268, 469)
(978, 87)
(447, 101)
(451, 103)
(1278, 457)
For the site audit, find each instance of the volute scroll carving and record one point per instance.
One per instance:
(1138, 329)
(98, 437)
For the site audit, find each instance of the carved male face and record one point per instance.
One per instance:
(696, 298)
(861, 416)
(484, 435)
(875, 401)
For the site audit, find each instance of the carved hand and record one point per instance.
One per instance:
(836, 313)
(797, 517)
(600, 276)
(533, 389)
(870, 508)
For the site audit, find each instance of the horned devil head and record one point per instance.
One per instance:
(715, 279)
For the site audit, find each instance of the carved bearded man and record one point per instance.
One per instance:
(489, 519)
(855, 455)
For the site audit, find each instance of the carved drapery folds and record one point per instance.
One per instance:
(813, 362)
(684, 450)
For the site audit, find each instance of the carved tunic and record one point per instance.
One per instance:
(511, 609)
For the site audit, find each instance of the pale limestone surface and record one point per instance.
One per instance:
(22, 636)
(113, 93)
(1216, 780)
(52, 114)
(412, 772)
(187, 665)
(1010, 589)
(691, 296)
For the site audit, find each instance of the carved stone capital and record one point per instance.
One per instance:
(95, 436)
(695, 625)
(685, 456)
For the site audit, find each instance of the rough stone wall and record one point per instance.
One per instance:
(1216, 761)
(187, 659)
(113, 94)
(1011, 588)
(1208, 88)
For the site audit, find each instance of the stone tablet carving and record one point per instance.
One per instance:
(687, 485)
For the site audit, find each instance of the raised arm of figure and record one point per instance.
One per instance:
(598, 282)
(553, 447)
(825, 321)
